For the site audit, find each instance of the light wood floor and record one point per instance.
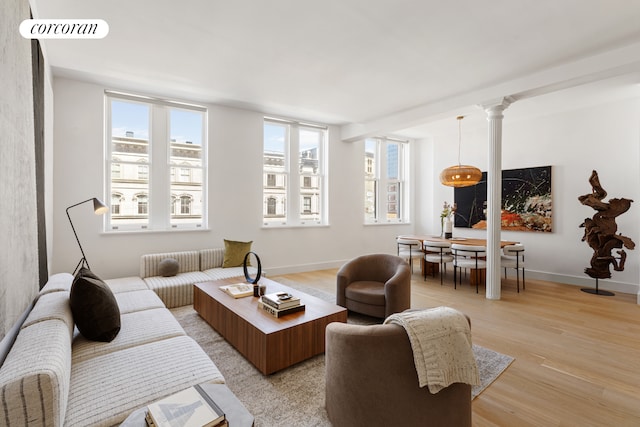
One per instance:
(577, 355)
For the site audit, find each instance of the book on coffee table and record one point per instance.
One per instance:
(190, 407)
(281, 300)
(238, 290)
(279, 312)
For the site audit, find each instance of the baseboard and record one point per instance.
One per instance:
(586, 282)
(302, 268)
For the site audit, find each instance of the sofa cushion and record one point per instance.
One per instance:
(126, 284)
(176, 291)
(35, 376)
(211, 258)
(95, 310)
(105, 389)
(57, 282)
(138, 328)
(129, 302)
(187, 260)
(225, 273)
(168, 267)
(54, 305)
(234, 253)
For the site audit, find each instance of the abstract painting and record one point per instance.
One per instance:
(526, 201)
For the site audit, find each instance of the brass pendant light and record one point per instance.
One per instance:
(460, 175)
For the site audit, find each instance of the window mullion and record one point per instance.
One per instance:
(293, 198)
(384, 183)
(379, 184)
(159, 176)
(108, 156)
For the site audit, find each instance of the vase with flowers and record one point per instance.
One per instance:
(446, 225)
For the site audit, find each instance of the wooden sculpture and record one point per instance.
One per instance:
(600, 231)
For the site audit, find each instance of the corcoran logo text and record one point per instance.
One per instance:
(64, 28)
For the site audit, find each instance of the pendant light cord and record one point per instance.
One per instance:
(459, 136)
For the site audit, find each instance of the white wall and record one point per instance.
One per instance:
(605, 138)
(235, 196)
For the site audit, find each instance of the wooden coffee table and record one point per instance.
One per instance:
(270, 343)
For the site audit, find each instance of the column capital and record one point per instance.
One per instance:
(495, 107)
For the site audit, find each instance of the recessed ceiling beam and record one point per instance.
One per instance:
(613, 63)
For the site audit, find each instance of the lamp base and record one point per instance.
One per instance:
(597, 292)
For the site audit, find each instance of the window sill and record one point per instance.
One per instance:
(280, 227)
(386, 223)
(151, 231)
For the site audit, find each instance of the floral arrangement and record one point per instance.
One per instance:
(447, 211)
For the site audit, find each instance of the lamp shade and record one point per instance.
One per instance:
(460, 176)
(99, 207)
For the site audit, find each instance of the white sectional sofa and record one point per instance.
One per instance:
(194, 267)
(53, 376)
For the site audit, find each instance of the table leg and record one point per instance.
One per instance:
(478, 275)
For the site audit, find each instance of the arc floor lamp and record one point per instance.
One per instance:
(99, 208)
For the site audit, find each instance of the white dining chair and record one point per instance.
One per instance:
(513, 257)
(437, 253)
(409, 249)
(468, 256)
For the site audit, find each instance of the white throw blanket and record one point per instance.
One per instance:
(441, 341)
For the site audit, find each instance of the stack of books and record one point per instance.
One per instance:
(192, 407)
(280, 303)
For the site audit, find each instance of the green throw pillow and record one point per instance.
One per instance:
(234, 253)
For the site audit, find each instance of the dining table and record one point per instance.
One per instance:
(432, 268)
(469, 241)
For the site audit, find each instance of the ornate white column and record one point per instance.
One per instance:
(494, 194)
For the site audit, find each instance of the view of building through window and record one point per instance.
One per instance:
(384, 180)
(293, 170)
(156, 180)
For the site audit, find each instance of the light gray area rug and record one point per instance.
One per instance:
(294, 396)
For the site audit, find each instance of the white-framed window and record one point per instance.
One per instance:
(271, 180)
(294, 173)
(185, 204)
(116, 201)
(185, 175)
(155, 149)
(142, 204)
(116, 169)
(143, 172)
(386, 197)
(271, 206)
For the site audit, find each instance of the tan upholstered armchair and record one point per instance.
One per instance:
(376, 285)
(371, 380)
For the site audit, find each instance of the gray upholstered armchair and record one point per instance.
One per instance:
(371, 380)
(376, 285)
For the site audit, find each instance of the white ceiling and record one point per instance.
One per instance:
(372, 66)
